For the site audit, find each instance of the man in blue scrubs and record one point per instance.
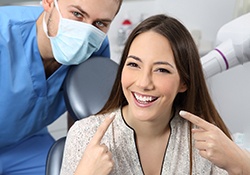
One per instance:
(37, 46)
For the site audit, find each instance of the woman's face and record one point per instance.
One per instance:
(150, 79)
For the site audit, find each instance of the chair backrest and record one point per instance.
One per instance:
(54, 159)
(86, 90)
(88, 85)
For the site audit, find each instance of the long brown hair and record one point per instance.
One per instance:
(196, 98)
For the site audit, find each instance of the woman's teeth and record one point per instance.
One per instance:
(144, 99)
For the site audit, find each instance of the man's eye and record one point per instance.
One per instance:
(100, 24)
(77, 14)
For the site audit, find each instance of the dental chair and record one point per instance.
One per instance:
(86, 90)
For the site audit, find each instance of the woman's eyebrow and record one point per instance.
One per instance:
(156, 63)
(164, 62)
(134, 57)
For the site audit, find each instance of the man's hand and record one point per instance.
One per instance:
(97, 159)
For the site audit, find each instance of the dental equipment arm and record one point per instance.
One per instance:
(233, 49)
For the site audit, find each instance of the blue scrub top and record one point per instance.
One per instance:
(28, 101)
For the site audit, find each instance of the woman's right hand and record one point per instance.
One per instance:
(97, 159)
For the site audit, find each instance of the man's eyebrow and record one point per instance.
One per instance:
(155, 63)
(85, 13)
(104, 20)
(80, 9)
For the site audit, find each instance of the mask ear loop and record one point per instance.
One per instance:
(57, 8)
(45, 28)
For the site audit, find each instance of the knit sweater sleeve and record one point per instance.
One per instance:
(75, 144)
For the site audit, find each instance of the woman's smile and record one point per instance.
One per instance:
(144, 100)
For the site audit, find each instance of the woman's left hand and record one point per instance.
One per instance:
(214, 145)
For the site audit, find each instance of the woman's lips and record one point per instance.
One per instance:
(144, 99)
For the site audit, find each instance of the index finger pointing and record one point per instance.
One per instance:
(102, 129)
(195, 120)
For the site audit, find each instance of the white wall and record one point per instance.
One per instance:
(206, 16)
(59, 127)
(230, 92)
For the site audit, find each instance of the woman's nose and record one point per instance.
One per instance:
(145, 81)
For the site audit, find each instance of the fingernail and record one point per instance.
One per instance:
(182, 113)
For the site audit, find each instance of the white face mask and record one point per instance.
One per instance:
(75, 41)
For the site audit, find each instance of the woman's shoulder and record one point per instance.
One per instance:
(178, 121)
(84, 128)
(92, 122)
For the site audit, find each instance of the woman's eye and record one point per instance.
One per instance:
(132, 64)
(162, 70)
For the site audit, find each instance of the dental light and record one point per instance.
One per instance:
(233, 40)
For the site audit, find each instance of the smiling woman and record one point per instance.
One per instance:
(139, 130)
(150, 71)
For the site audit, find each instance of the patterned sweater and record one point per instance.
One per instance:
(120, 139)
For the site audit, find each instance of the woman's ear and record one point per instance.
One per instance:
(47, 5)
(182, 87)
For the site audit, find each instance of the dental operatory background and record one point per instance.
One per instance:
(230, 89)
